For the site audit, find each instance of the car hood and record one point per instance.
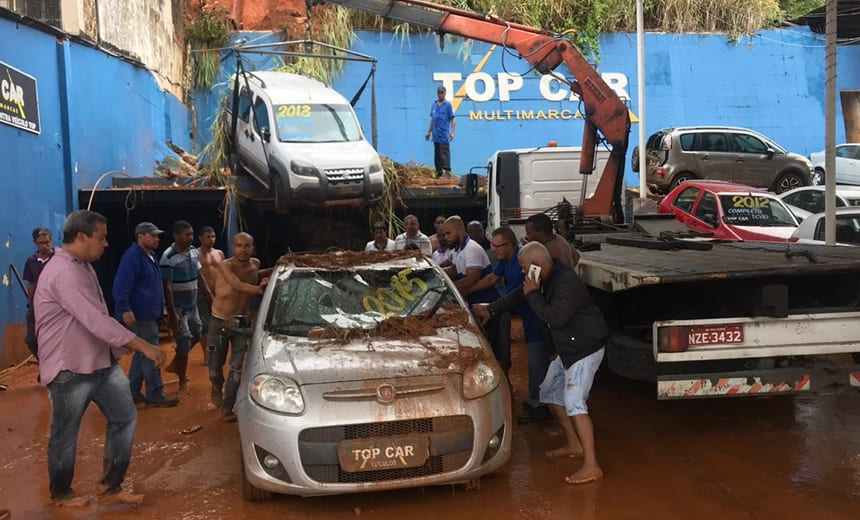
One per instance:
(350, 154)
(764, 234)
(312, 361)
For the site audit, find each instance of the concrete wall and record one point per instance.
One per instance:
(772, 82)
(97, 113)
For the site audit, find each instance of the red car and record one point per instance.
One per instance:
(730, 211)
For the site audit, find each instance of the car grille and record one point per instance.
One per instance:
(345, 175)
(435, 464)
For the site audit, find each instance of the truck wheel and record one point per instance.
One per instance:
(788, 181)
(281, 200)
(250, 492)
(631, 358)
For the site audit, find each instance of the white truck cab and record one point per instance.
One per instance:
(301, 139)
(526, 181)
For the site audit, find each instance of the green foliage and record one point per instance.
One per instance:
(336, 30)
(207, 33)
(215, 152)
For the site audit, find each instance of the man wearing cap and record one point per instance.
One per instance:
(380, 241)
(442, 131)
(139, 305)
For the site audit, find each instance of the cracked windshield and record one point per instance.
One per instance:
(353, 299)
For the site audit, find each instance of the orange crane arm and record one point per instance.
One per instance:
(604, 111)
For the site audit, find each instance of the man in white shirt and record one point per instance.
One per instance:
(380, 241)
(413, 235)
(469, 262)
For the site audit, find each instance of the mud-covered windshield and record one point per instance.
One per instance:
(755, 210)
(353, 299)
(307, 123)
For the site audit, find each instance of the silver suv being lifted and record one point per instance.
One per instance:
(724, 153)
(302, 140)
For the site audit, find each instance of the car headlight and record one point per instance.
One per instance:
(478, 380)
(280, 394)
(305, 168)
(375, 166)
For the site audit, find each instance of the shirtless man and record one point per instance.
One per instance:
(539, 228)
(209, 258)
(238, 281)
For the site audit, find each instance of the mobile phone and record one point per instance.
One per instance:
(534, 272)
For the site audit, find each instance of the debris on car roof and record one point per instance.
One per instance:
(409, 328)
(346, 259)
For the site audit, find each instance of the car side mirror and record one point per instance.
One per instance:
(265, 133)
(710, 219)
(770, 153)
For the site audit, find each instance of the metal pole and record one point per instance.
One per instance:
(830, 127)
(640, 78)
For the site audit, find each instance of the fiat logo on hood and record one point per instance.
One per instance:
(385, 393)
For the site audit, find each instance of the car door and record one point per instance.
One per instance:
(248, 139)
(753, 165)
(683, 205)
(848, 164)
(706, 214)
(713, 157)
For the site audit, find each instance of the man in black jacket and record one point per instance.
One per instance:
(575, 325)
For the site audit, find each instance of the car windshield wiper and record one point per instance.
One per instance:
(340, 126)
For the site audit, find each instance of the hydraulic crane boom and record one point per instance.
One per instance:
(604, 111)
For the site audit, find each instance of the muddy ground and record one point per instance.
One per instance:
(741, 458)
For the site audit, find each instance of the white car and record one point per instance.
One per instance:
(808, 200)
(811, 230)
(847, 165)
(365, 373)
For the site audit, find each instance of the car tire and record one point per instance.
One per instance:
(788, 181)
(282, 204)
(681, 177)
(250, 492)
(817, 177)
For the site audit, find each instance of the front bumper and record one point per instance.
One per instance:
(333, 188)
(306, 446)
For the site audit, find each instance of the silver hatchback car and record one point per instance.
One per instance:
(367, 372)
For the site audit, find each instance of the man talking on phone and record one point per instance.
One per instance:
(578, 332)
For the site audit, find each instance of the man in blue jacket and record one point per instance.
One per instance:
(139, 304)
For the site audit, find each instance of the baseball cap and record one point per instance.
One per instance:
(147, 228)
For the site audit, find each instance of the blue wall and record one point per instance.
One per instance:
(97, 113)
(772, 82)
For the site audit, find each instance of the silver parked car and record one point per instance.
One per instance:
(811, 230)
(367, 372)
(809, 200)
(847, 165)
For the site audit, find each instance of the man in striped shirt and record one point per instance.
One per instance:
(180, 266)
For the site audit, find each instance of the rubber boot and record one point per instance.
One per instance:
(181, 369)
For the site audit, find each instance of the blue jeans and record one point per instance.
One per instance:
(538, 358)
(70, 394)
(220, 338)
(189, 331)
(142, 368)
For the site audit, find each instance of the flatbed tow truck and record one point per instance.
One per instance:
(701, 319)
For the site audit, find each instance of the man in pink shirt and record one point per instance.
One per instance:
(79, 343)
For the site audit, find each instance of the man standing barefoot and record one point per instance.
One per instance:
(237, 282)
(209, 258)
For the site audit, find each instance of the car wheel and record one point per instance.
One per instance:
(682, 177)
(250, 492)
(281, 200)
(789, 181)
(818, 177)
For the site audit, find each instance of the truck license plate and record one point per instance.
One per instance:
(716, 335)
(373, 454)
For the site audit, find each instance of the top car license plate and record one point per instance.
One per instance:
(377, 453)
(715, 335)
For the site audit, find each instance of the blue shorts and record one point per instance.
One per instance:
(569, 388)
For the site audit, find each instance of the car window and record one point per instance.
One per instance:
(746, 143)
(807, 200)
(688, 142)
(755, 210)
(655, 142)
(855, 151)
(686, 198)
(261, 115)
(244, 105)
(706, 211)
(317, 123)
(351, 299)
(711, 142)
(847, 229)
